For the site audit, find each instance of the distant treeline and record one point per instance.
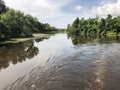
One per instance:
(15, 24)
(95, 26)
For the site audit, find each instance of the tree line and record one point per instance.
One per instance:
(95, 26)
(15, 24)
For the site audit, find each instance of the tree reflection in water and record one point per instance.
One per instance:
(79, 39)
(16, 53)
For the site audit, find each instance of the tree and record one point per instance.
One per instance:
(102, 26)
(95, 26)
(76, 22)
(2, 6)
(109, 23)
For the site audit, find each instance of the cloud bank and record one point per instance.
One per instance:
(59, 13)
(107, 8)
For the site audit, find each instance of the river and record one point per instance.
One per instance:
(61, 62)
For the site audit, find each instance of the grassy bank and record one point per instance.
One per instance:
(112, 34)
(18, 40)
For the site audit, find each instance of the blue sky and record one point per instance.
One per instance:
(59, 13)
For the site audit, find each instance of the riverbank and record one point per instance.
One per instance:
(112, 34)
(18, 40)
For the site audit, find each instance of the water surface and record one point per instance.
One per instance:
(62, 62)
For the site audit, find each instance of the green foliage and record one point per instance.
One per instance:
(16, 24)
(95, 26)
(2, 6)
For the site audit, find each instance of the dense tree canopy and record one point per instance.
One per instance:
(2, 6)
(14, 24)
(92, 26)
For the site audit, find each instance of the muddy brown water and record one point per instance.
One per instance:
(61, 63)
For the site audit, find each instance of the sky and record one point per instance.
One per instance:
(59, 13)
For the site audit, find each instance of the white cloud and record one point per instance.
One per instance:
(47, 11)
(107, 8)
(52, 11)
(78, 7)
(39, 8)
